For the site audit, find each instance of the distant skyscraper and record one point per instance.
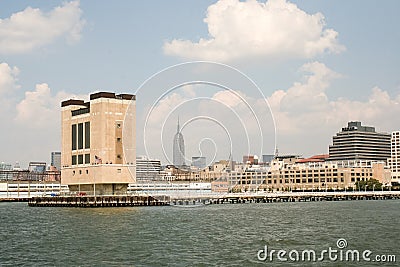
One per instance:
(199, 162)
(56, 160)
(179, 148)
(267, 158)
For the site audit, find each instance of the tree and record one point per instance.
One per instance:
(371, 184)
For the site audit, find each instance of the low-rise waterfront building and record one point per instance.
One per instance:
(4, 170)
(283, 176)
(147, 169)
(38, 167)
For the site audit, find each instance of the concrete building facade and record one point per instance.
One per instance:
(38, 167)
(357, 142)
(282, 176)
(394, 160)
(98, 143)
(147, 169)
(4, 168)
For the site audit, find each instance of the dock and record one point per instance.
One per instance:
(262, 197)
(196, 199)
(98, 201)
(237, 198)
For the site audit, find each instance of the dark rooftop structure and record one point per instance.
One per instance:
(76, 102)
(358, 142)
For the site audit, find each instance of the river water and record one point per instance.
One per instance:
(213, 235)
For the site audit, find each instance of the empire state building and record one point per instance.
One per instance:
(179, 148)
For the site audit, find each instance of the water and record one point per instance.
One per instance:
(214, 235)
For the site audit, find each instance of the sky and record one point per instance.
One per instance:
(285, 74)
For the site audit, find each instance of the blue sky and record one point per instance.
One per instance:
(353, 74)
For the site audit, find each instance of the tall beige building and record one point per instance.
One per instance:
(394, 160)
(98, 143)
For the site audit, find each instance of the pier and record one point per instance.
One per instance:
(202, 199)
(98, 201)
(14, 199)
(241, 198)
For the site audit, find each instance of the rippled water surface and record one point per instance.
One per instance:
(214, 235)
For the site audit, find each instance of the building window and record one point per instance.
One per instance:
(119, 156)
(73, 136)
(80, 136)
(80, 171)
(87, 158)
(119, 139)
(87, 134)
(74, 160)
(87, 171)
(118, 125)
(80, 159)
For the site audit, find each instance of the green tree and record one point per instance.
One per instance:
(374, 184)
(371, 184)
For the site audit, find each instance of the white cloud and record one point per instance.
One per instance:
(33, 123)
(39, 108)
(189, 90)
(222, 116)
(309, 95)
(306, 118)
(275, 29)
(229, 98)
(164, 108)
(31, 28)
(8, 78)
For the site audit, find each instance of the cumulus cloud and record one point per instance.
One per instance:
(309, 95)
(306, 117)
(275, 29)
(228, 118)
(229, 98)
(304, 111)
(8, 78)
(31, 28)
(40, 108)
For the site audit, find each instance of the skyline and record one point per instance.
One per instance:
(338, 64)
